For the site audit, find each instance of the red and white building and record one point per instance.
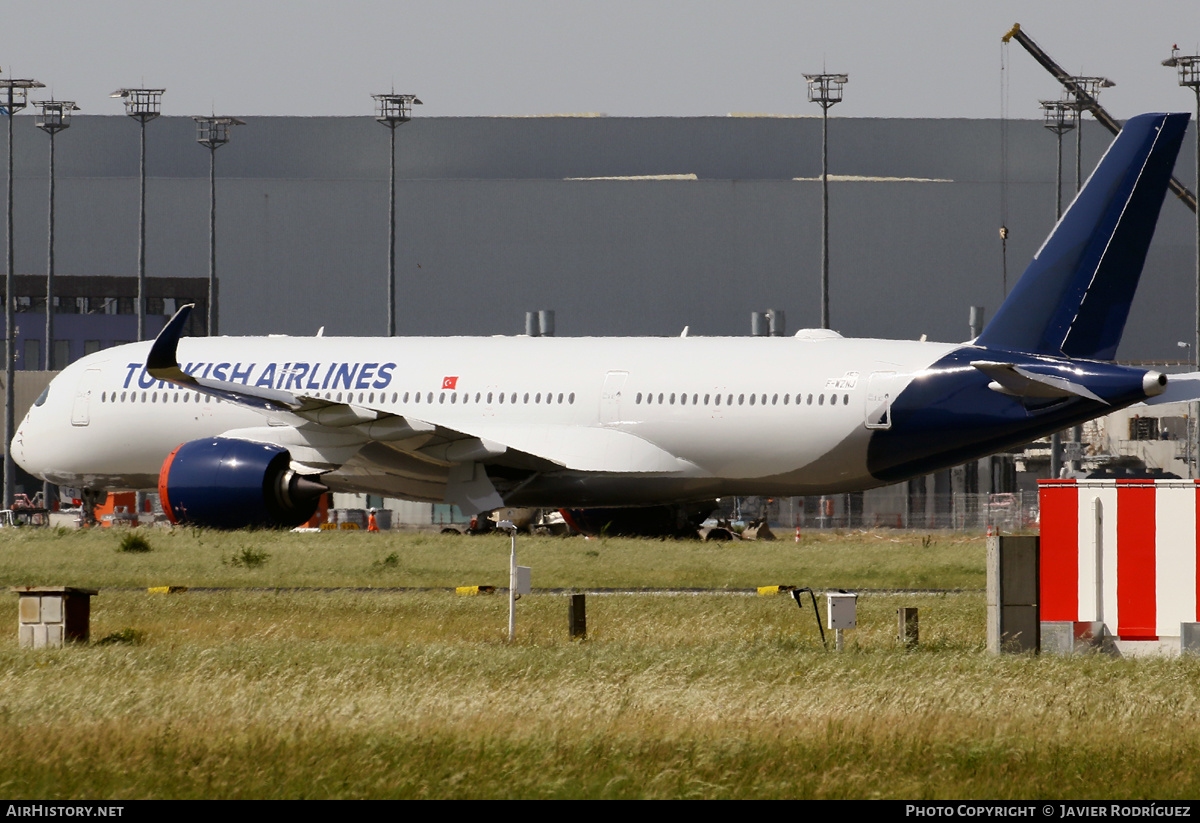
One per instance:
(1122, 553)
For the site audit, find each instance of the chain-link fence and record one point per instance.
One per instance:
(883, 509)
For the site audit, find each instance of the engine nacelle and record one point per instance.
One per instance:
(232, 484)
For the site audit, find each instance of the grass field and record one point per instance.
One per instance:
(189, 557)
(245, 692)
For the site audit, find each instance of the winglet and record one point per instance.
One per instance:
(163, 362)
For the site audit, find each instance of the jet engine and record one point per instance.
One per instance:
(224, 483)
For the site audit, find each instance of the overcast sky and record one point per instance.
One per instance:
(930, 58)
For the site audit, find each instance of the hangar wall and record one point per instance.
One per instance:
(488, 227)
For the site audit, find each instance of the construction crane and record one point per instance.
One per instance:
(1085, 100)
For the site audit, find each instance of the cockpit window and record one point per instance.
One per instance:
(42, 397)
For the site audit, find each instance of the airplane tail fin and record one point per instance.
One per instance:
(1074, 297)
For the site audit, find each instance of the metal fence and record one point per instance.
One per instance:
(1014, 512)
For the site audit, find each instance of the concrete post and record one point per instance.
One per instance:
(1013, 585)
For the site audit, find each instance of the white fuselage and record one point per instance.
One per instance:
(789, 414)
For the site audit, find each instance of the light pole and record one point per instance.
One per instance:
(1059, 117)
(1090, 86)
(1188, 67)
(825, 90)
(393, 110)
(53, 116)
(142, 105)
(212, 133)
(15, 96)
(1191, 434)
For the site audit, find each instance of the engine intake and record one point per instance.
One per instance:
(224, 483)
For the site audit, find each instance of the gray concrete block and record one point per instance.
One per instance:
(52, 609)
(1070, 637)
(1189, 638)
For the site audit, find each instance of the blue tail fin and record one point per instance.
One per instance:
(1074, 298)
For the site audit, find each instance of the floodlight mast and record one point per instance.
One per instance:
(1089, 87)
(825, 90)
(15, 96)
(212, 133)
(393, 110)
(142, 105)
(53, 116)
(1188, 68)
(1059, 116)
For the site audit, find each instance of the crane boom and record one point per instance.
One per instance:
(1086, 100)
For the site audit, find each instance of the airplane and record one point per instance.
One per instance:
(250, 431)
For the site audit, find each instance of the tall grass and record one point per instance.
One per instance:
(247, 693)
(191, 557)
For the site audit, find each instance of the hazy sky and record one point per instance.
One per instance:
(931, 58)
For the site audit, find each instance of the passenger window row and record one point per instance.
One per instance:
(152, 397)
(683, 399)
(548, 398)
(490, 398)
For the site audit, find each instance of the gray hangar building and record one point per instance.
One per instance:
(622, 226)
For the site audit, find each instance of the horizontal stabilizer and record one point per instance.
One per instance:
(1011, 379)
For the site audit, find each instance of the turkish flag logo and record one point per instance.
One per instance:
(449, 382)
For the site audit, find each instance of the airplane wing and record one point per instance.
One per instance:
(324, 435)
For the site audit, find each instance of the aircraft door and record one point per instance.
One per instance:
(611, 396)
(880, 391)
(81, 408)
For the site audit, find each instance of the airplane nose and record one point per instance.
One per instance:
(17, 446)
(24, 448)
